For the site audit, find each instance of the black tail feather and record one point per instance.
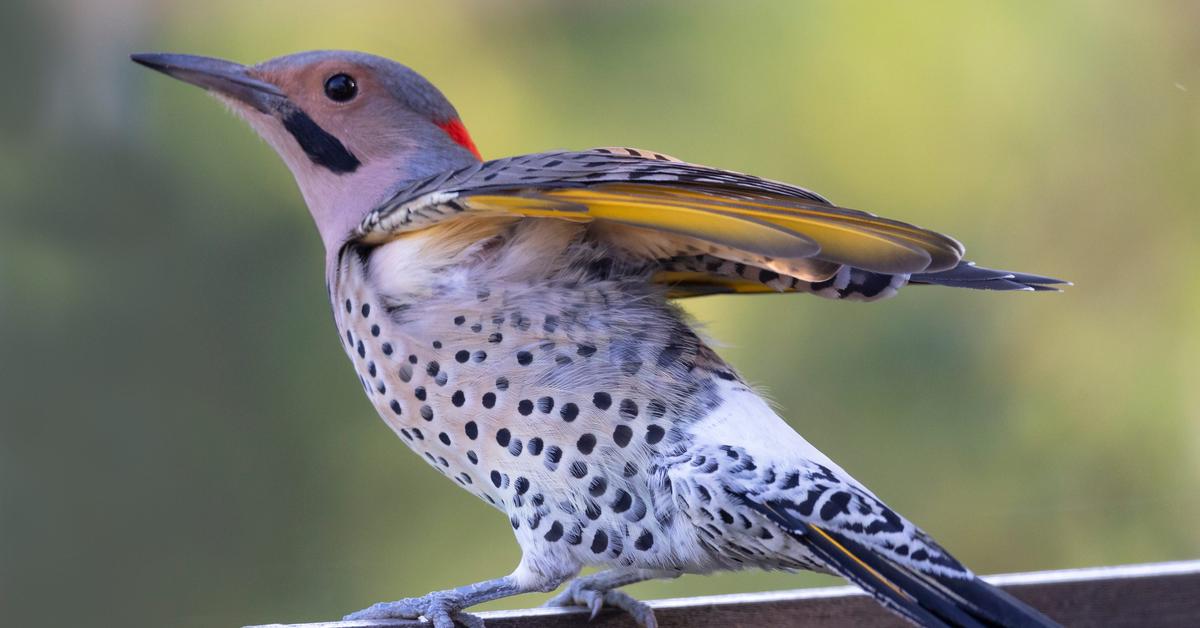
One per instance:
(957, 601)
(924, 598)
(968, 275)
(887, 593)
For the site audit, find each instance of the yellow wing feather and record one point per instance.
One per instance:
(772, 227)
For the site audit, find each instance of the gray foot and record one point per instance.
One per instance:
(580, 593)
(442, 608)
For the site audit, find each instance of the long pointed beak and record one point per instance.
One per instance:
(217, 75)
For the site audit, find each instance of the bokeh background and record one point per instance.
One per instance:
(183, 443)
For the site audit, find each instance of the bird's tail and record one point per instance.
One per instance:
(923, 598)
(968, 275)
(935, 600)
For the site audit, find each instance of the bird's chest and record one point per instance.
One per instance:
(436, 390)
(556, 408)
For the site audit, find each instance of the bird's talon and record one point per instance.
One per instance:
(441, 609)
(595, 603)
(594, 600)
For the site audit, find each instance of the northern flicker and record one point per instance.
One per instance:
(512, 321)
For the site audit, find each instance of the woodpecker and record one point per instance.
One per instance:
(512, 321)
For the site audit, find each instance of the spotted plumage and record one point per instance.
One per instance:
(512, 321)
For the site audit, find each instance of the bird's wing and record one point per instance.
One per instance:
(659, 208)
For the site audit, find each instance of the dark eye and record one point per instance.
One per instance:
(340, 87)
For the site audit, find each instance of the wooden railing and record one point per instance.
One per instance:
(1157, 595)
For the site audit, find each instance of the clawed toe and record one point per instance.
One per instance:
(640, 611)
(409, 608)
(594, 600)
(442, 610)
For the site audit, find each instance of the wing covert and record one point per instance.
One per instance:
(674, 208)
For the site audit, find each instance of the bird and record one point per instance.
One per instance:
(514, 322)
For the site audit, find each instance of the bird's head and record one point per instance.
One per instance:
(350, 126)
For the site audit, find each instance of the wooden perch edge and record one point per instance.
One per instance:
(1156, 594)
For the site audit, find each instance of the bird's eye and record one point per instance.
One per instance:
(341, 87)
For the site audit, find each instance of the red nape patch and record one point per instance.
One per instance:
(458, 133)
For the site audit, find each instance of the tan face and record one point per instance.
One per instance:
(346, 100)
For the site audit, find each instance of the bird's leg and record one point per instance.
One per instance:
(443, 608)
(598, 589)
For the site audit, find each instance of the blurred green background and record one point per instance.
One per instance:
(182, 441)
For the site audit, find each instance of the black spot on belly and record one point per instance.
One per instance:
(578, 469)
(645, 541)
(586, 444)
(622, 502)
(654, 433)
(534, 446)
(622, 435)
(489, 400)
(555, 532)
(602, 400)
(472, 430)
(503, 436)
(599, 542)
(569, 412)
